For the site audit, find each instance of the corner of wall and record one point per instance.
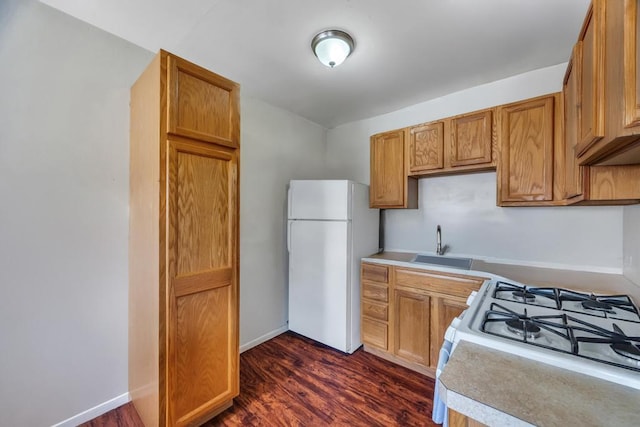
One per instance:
(631, 243)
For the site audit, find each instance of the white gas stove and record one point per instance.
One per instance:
(596, 335)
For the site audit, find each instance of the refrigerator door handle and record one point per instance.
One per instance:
(289, 223)
(289, 201)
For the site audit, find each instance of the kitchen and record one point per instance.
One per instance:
(76, 192)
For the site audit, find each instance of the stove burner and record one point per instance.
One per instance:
(523, 328)
(523, 296)
(626, 349)
(593, 304)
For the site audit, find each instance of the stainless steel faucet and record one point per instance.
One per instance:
(439, 249)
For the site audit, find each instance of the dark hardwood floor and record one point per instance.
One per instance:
(293, 381)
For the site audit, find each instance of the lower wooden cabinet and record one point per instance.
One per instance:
(406, 314)
(374, 305)
(411, 325)
(456, 419)
(445, 309)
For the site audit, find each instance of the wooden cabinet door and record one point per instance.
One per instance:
(202, 105)
(375, 333)
(445, 309)
(426, 147)
(573, 177)
(526, 138)
(202, 324)
(412, 323)
(631, 59)
(388, 176)
(591, 80)
(471, 139)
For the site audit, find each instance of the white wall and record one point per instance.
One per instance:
(631, 238)
(64, 171)
(277, 146)
(64, 191)
(573, 237)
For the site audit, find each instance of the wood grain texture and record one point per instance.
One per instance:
(293, 381)
(631, 63)
(375, 310)
(411, 325)
(375, 291)
(573, 172)
(123, 416)
(203, 343)
(472, 139)
(203, 215)
(375, 272)
(144, 242)
(436, 282)
(526, 143)
(591, 82)
(618, 147)
(426, 147)
(202, 380)
(202, 105)
(375, 333)
(388, 184)
(444, 310)
(184, 238)
(614, 182)
(456, 419)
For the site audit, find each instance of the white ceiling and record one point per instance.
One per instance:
(407, 51)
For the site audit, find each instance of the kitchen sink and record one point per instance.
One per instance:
(461, 263)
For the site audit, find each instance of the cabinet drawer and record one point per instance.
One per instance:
(375, 292)
(442, 283)
(375, 310)
(375, 333)
(375, 273)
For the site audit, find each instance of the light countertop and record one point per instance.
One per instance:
(501, 389)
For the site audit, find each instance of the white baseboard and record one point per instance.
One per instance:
(96, 411)
(265, 337)
(105, 407)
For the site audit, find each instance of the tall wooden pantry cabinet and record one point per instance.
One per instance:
(183, 243)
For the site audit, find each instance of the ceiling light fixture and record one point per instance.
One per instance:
(332, 47)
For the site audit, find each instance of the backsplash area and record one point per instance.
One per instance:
(580, 237)
(631, 243)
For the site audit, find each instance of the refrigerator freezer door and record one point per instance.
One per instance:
(321, 199)
(318, 281)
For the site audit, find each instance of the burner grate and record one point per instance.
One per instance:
(576, 336)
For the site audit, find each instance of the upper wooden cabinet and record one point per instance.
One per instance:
(390, 186)
(202, 105)
(455, 144)
(589, 68)
(608, 98)
(426, 147)
(573, 172)
(183, 244)
(526, 135)
(472, 139)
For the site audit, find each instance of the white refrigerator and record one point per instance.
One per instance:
(330, 227)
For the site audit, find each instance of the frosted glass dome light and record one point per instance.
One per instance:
(332, 47)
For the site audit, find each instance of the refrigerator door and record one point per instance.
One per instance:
(318, 281)
(320, 199)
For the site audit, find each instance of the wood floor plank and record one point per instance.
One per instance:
(293, 381)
